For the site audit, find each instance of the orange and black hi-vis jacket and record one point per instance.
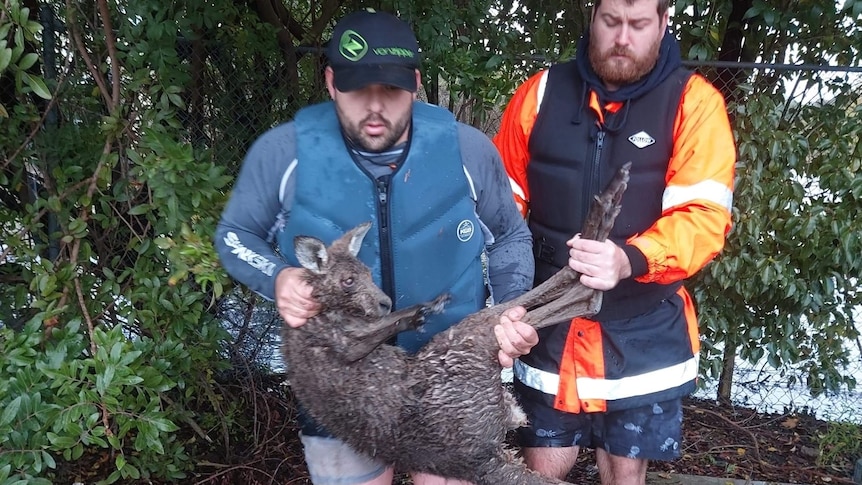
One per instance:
(642, 347)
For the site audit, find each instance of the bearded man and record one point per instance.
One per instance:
(614, 381)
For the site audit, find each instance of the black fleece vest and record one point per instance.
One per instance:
(573, 158)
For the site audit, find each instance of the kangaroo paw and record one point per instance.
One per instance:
(436, 306)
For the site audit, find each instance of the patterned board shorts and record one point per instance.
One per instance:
(651, 432)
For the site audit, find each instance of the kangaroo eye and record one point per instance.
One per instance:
(347, 282)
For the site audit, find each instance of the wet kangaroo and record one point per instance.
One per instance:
(444, 409)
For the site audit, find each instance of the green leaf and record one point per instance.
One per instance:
(27, 61)
(133, 472)
(177, 101)
(23, 15)
(47, 284)
(77, 451)
(494, 61)
(114, 441)
(113, 477)
(129, 357)
(140, 209)
(32, 27)
(37, 85)
(163, 242)
(78, 228)
(5, 58)
(164, 425)
(54, 204)
(60, 442)
(116, 351)
(18, 48)
(10, 412)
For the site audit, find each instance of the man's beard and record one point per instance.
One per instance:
(611, 72)
(375, 144)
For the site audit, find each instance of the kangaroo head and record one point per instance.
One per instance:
(341, 282)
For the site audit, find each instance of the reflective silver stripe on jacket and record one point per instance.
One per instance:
(611, 389)
(710, 190)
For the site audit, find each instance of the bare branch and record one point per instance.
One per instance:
(88, 61)
(111, 41)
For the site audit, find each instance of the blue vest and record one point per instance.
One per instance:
(425, 239)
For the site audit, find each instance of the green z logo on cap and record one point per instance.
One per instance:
(352, 46)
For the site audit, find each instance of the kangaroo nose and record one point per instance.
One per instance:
(385, 306)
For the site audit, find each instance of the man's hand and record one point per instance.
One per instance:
(293, 297)
(515, 337)
(602, 264)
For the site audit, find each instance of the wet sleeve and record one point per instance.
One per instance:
(256, 211)
(698, 195)
(509, 244)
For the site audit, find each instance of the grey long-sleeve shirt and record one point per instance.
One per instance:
(263, 194)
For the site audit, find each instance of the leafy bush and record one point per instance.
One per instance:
(121, 367)
(107, 334)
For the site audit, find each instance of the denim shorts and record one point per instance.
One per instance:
(652, 432)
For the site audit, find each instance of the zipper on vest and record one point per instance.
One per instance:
(386, 276)
(592, 180)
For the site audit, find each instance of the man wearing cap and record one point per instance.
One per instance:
(435, 190)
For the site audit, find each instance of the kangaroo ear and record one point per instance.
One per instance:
(311, 253)
(356, 235)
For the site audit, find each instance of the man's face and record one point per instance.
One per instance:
(625, 40)
(375, 117)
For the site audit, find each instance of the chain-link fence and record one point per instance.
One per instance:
(760, 384)
(231, 106)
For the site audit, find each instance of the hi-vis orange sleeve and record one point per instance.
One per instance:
(698, 196)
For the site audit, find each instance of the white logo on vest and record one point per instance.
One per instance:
(642, 139)
(465, 230)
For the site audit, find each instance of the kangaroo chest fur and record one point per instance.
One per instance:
(398, 407)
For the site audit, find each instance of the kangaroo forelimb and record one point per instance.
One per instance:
(366, 339)
(562, 296)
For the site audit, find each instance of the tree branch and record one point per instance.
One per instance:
(111, 41)
(88, 61)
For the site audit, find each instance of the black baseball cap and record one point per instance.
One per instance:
(370, 47)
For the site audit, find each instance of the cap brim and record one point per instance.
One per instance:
(357, 77)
